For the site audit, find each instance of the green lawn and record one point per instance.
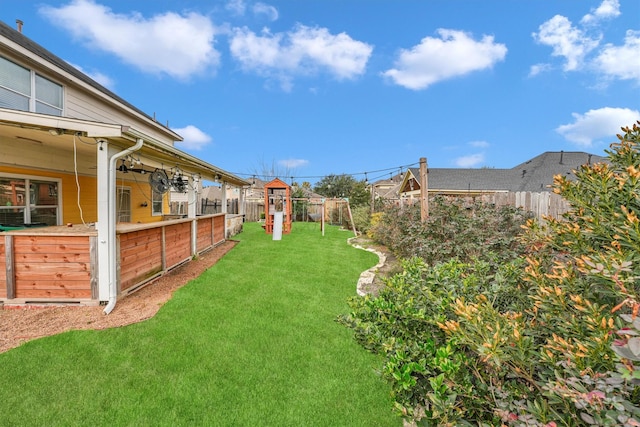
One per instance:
(252, 342)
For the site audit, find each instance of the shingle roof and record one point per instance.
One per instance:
(537, 174)
(533, 175)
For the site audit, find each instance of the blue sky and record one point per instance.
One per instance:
(320, 87)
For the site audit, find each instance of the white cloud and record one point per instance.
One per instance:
(469, 161)
(99, 77)
(595, 124)
(194, 138)
(293, 163)
(621, 62)
(154, 45)
(583, 52)
(567, 41)
(454, 54)
(267, 10)
(539, 68)
(237, 7)
(608, 9)
(479, 144)
(302, 51)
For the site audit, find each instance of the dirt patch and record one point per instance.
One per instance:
(21, 324)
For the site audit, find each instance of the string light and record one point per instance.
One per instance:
(386, 171)
(383, 172)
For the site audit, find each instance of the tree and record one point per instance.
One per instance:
(343, 186)
(267, 172)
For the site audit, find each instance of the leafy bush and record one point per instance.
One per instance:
(456, 229)
(374, 220)
(550, 338)
(361, 218)
(429, 372)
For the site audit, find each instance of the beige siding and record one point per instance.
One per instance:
(85, 103)
(81, 105)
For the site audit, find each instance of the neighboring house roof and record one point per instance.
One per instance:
(467, 179)
(538, 173)
(211, 193)
(307, 193)
(388, 188)
(534, 175)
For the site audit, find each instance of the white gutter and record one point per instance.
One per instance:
(111, 227)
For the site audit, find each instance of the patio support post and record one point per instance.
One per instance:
(224, 207)
(192, 199)
(103, 219)
(242, 209)
(9, 267)
(111, 234)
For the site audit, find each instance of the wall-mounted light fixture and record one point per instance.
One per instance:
(143, 205)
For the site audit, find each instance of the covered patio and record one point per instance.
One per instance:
(93, 252)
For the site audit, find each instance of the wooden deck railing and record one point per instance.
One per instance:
(53, 264)
(61, 263)
(150, 250)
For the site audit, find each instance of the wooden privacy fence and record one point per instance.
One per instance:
(304, 210)
(539, 204)
(253, 208)
(213, 206)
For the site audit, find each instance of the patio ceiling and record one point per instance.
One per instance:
(56, 138)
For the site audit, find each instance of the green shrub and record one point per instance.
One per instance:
(581, 275)
(550, 338)
(374, 221)
(362, 218)
(460, 229)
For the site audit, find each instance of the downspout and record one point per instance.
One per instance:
(111, 228)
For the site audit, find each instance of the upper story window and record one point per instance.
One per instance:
(24, 89)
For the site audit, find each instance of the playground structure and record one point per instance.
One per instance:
(278, 210)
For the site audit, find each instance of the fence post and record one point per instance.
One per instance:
(424, 190)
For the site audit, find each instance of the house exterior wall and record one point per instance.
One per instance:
(83, 105)
(82, 101)
(140, 194)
